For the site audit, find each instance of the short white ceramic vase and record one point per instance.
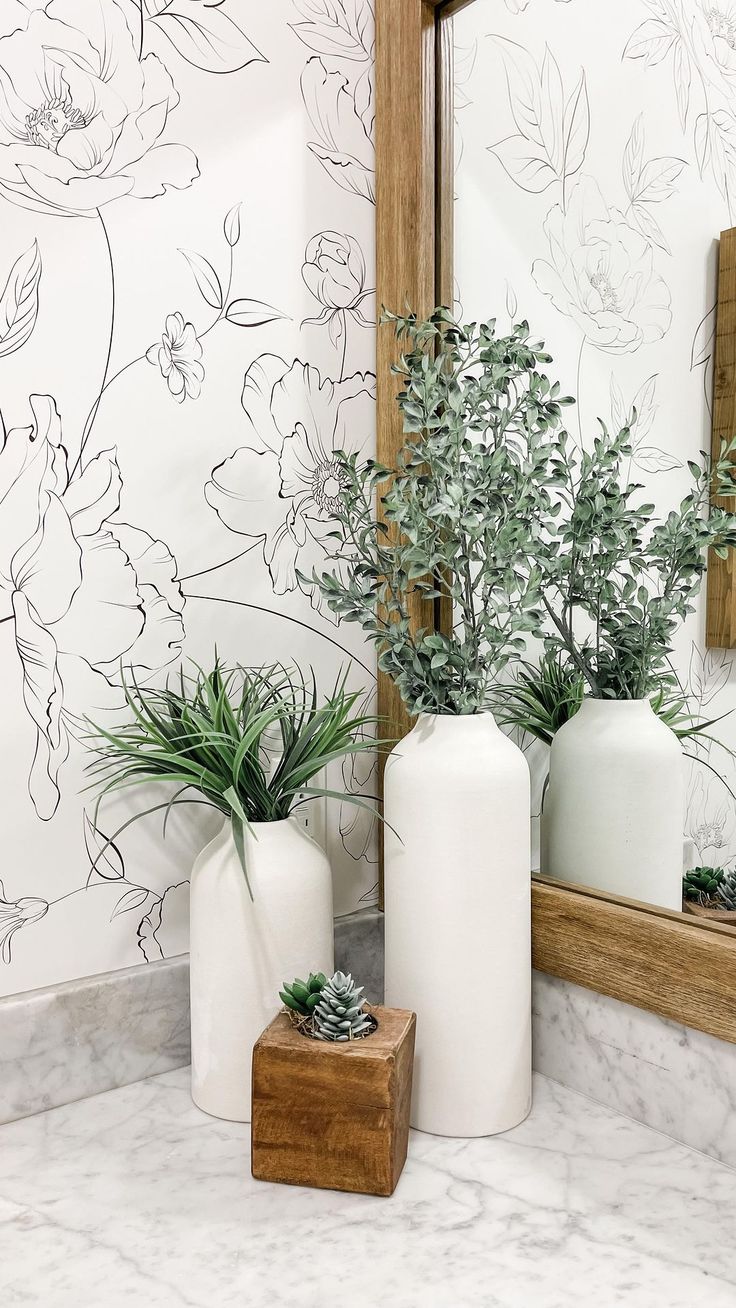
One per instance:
(614, 810)
(242, 950)
(457, 894)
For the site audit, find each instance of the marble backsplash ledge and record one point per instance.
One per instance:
(675, 1079)
(66, 1042)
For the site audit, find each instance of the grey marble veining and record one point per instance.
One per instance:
(138, 1197)
(66, 1042)
(675, 1079)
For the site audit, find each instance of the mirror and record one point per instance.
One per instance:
(590, 176)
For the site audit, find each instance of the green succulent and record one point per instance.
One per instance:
(703, 883)
(339, 1013)
(726, 891)
(303, 996)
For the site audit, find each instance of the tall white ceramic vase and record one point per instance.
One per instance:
(242, 950)
(614, 811)
(457, 894)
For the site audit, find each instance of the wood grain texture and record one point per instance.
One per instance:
(405, 235)
(333, 1116)
(405, 243)
(721, 583)
(681, 968)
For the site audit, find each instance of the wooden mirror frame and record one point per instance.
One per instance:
(649, 957)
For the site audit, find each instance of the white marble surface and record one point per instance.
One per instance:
(138, 1197)
(674, 1079)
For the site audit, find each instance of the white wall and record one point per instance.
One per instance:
(145, 517)
(597, 166)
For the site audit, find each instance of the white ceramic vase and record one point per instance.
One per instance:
(614, 810)
(242, 950)
(457, 894)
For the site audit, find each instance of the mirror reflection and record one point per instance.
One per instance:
(591, 178)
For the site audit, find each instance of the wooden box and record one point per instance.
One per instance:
(333, 1115)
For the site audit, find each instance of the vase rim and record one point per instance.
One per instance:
(261, 826)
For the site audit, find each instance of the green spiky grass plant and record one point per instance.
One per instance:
(213, 734)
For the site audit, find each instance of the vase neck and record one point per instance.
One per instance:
(457, 725)
(601, 709)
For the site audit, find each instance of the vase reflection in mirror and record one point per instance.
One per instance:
(614, 809)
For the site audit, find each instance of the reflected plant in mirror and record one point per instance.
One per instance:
(625, 578)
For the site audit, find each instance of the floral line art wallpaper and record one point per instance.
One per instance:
(604, 226)
(186, 336)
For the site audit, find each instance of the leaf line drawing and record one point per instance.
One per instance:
(648, 182)
(702, 354)
(552, 125)
(639, 416)
(19, 301)
(203, 33)
(337, 29)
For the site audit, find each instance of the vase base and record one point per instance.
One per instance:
(224, 1112)
(461, 1131)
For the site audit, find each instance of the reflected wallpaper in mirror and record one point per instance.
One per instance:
(592, 179)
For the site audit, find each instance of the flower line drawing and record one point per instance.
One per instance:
(82, 116)
(178, 356)
(343, 145)
(83, 591)
(334, 271)
(601, 273)
(15, 914)
(299, 420)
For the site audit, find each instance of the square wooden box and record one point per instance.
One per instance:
(333, 1115)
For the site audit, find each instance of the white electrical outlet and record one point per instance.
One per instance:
(312, 814)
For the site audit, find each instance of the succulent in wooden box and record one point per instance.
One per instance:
(302, 997)
(339, 1014)
(327, 1010)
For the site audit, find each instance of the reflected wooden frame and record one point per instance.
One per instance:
(681, 969)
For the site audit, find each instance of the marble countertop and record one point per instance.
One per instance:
(136, 1196)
